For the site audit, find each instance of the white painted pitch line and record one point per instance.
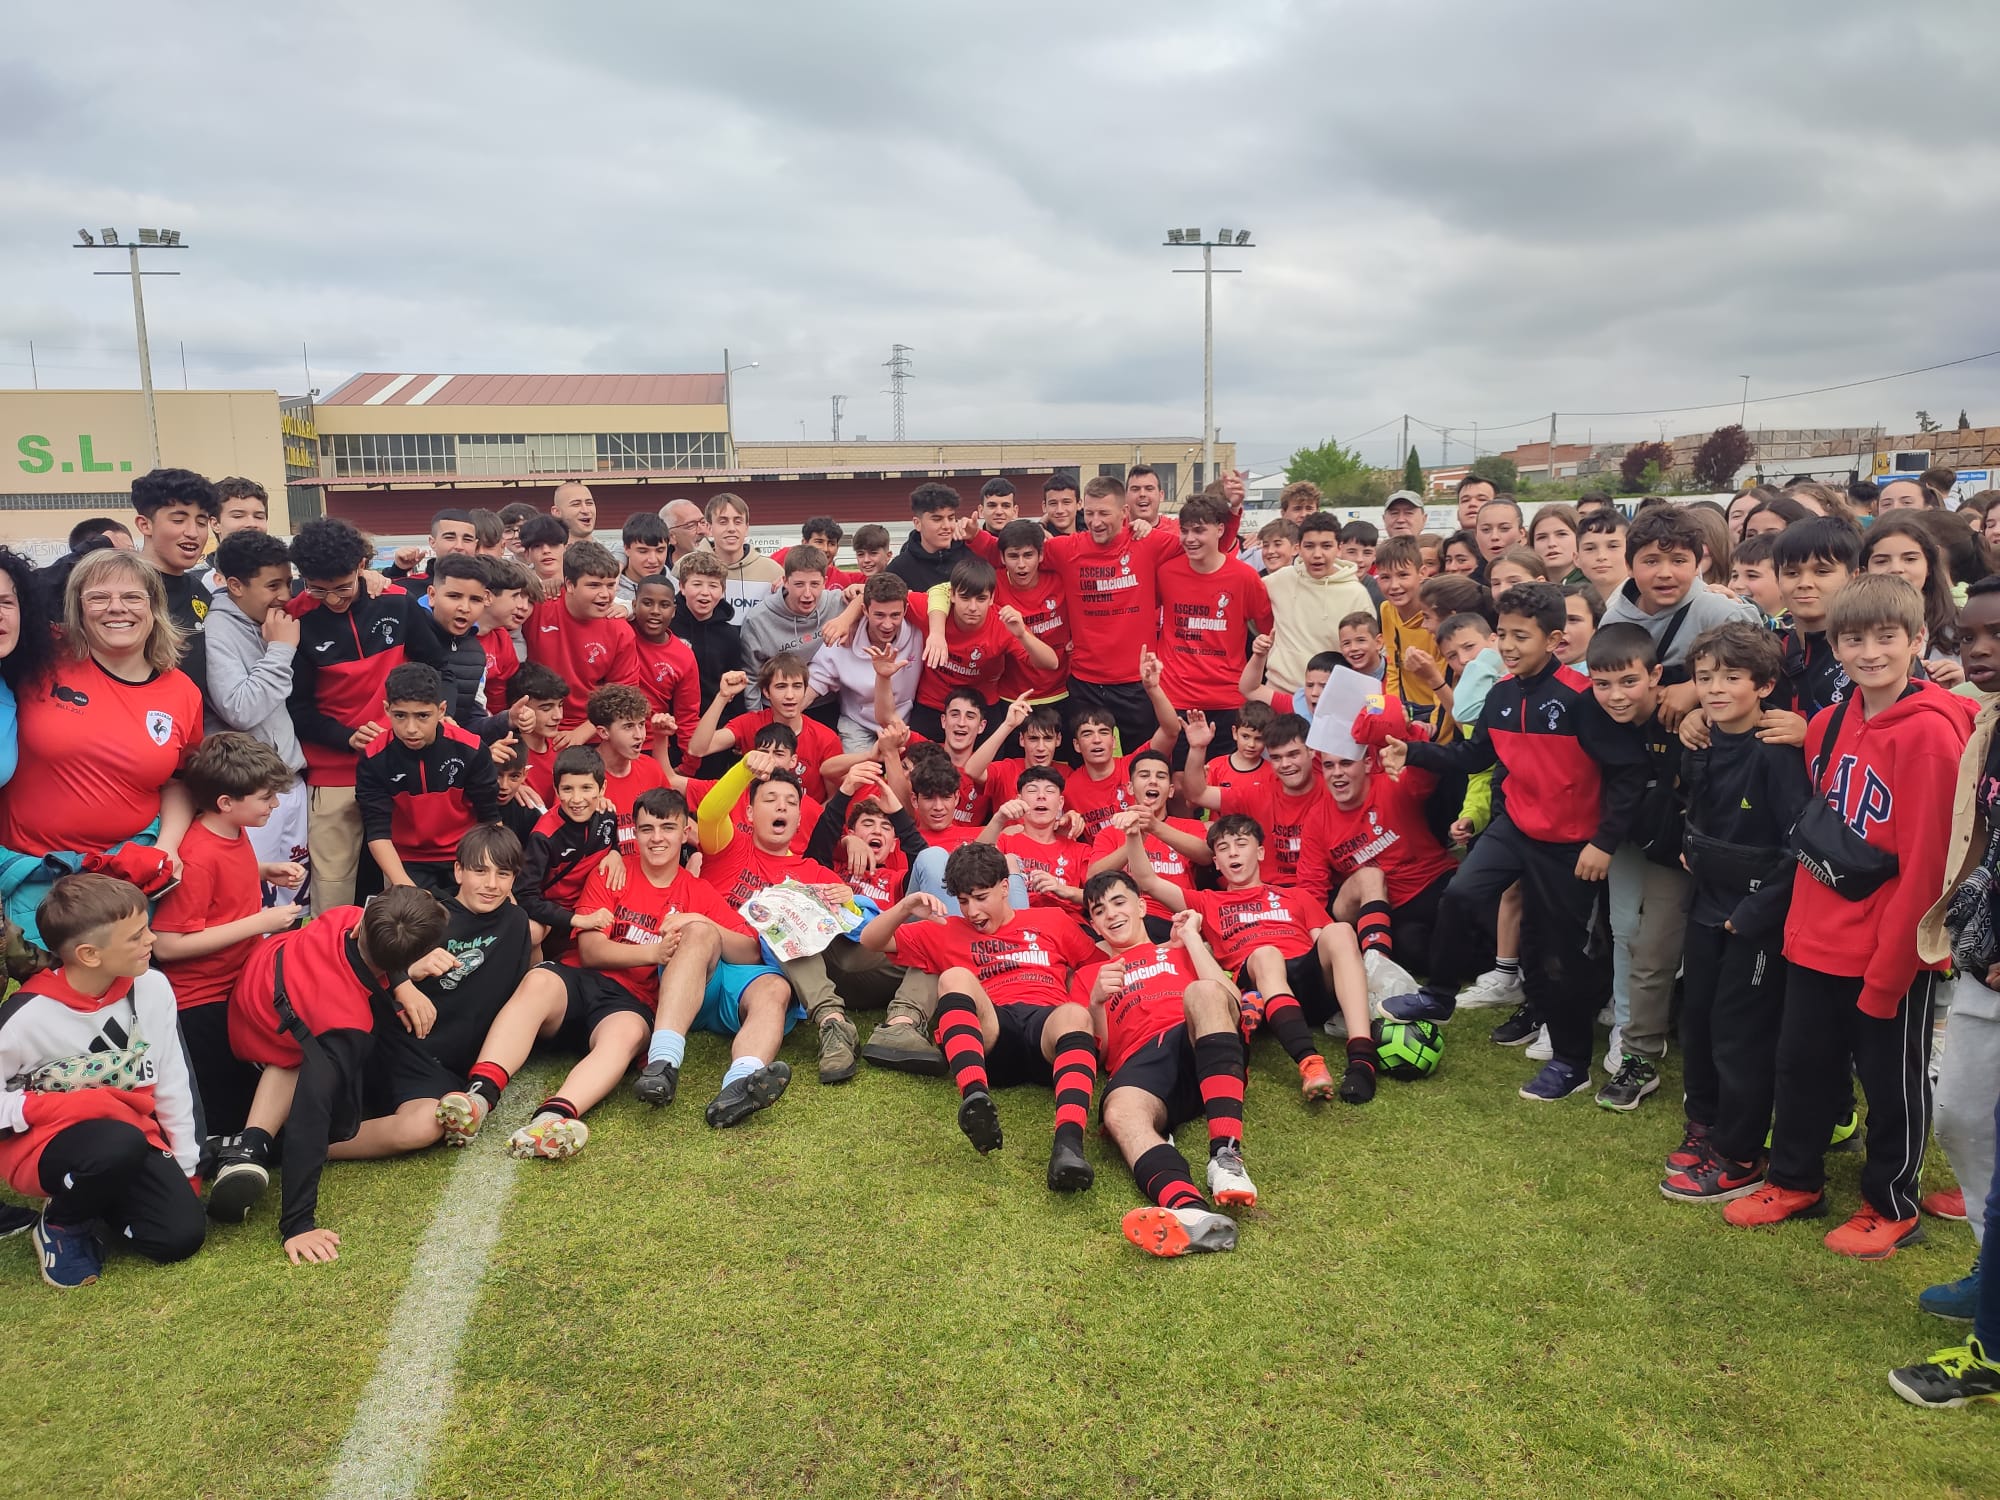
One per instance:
(388, 1444)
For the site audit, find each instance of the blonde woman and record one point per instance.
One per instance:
(104, 732)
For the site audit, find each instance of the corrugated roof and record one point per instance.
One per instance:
(527, 390)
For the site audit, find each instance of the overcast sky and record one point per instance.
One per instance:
(1459, 213)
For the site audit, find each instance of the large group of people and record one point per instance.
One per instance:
(304, 860)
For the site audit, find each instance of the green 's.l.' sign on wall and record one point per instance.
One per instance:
(39, 455)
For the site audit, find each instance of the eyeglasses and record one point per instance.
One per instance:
(102, 602)
(332, 590)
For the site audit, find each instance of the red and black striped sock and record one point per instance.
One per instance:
(1362, 1049)
(1075, 1066)
(1163, 1176)
(489, 1081)
(964, 1044)
(1284, 1020)
(1218, 1064)
(1372, 927)
(555, 1104)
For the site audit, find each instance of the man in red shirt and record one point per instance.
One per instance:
(1210, 607)
(1174, 846)
(1301, 966)
(1039, 596)
(669, 957)
(1283, 807)
(1110, 576)
(575, 634)
(1165, 1016)
(1006, 1011)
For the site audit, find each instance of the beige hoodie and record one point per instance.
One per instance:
(1308, 613)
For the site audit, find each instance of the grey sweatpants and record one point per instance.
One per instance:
(1649, 910)
(1968, 1081)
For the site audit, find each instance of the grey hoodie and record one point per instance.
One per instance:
(770, 628)
(1705, 607)
(248, 681)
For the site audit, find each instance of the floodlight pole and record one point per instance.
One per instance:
(145, 364)
(1208, 273)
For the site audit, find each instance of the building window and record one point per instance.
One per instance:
(661, 450)
(1111, 471)
(1169, 477)
(364, 455)
(495, 454)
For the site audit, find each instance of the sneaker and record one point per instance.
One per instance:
(1713, 1180)
(548, 1138)
(1635, 1079)
(1949, 1378)
(740, 1100)
(241, 1175)
(1772, 1204)
(837, 1055)
(1614, 1046)
(1228, 1182)
(1870, 1236)
(1357, 1083)
(903, 1047)
(1315, 1080)
(1846, 1136)
(1493, 988)
(1606, 1016)
(1068, 1171)
(1169, 1232)
(1950, 1204)
(1421, 1006)
(1957, 1301)
(14, 1219)
(1516, 1029)
(461, 1113)
(1386, 977)
(1541, 1049)
(657, 1084)
(1692, 1149)
(70, 1257)
(1557, 1080)
(980, 1121)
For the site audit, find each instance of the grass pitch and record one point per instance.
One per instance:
(1448, 1292)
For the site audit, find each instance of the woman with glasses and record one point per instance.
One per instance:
(104, 730)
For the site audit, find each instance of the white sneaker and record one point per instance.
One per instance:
(1614, 1051)
(1539, 1049)
(1607, 1017)
(1492, 988)
(1228, 1182)
(549, 1137)
(1386, 977)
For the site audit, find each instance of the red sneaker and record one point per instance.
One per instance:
(1946, 1205)
(1690, 1152)
(1772, 1204)
(1314, 1079)
(1870, 1236)
(1249, 1014)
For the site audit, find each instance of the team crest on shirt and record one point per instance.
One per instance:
(1124, 562)
(594, 652)
(449, 770)
(159, 725)
(199, 608)
(1554, 712)
(1222, 601)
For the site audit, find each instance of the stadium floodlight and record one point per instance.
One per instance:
(110, 236)
(1192, 239)
(1173, 237)
(149, 236)
(1223, 236)
(170, 237)
(1191, 236)
(1242, 236)
(144, 239)
(83, 237)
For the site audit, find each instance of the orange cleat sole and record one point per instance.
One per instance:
(1157, 1231)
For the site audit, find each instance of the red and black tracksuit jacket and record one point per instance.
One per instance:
(338, 674)
(425, 801)
(557, 862)
(1554, 748)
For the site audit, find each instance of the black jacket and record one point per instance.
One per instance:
(460, 658)
(717, 644)
(558, 860)
(926, 570)
(1747, 795)
(1643, 806)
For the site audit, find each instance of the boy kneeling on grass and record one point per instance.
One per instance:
(97, 1104)
(1859, 997)
(670, 957)
(328, 1013)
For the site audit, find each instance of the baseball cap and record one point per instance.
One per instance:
(1404, 497)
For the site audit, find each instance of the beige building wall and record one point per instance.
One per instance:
(511, 420)
(72, 454)
(1086, 454)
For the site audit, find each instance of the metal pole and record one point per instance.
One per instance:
(728, 417)
(145, 362)
(1403, 453)
(1743, 411)
(1552, 447)
(1207, 364)
(34, 372)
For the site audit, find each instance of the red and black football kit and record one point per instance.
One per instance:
(558, 859)
(339, 671)
(425, 801)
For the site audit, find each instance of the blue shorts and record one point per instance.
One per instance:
(721, 1003)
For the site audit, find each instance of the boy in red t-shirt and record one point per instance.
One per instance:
(535, 698)
(1101, 785)
(1210, 606)
(1007, 1010)
(1282, 807)
(1165, 1015)
(1244, 765)
(620, 713)
(782, 682)
(209, 923)
(1301, 965)
(1028, 831)
(669, 676)
(1043, 604)
(964, 720)
(669, 956)
(507, 610)
(935, 789)
(575, 634)
(1041, 734)
(1173, 845)
(970, 644)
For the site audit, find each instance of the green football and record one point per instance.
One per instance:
(1409, 1049)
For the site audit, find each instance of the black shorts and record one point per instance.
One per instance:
(400, 1068)
(1127, 703)
(1307, 979)
(1016, 1054)
(1164, 1068)
(1223, 722)
(434, 875)
(594, 997)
